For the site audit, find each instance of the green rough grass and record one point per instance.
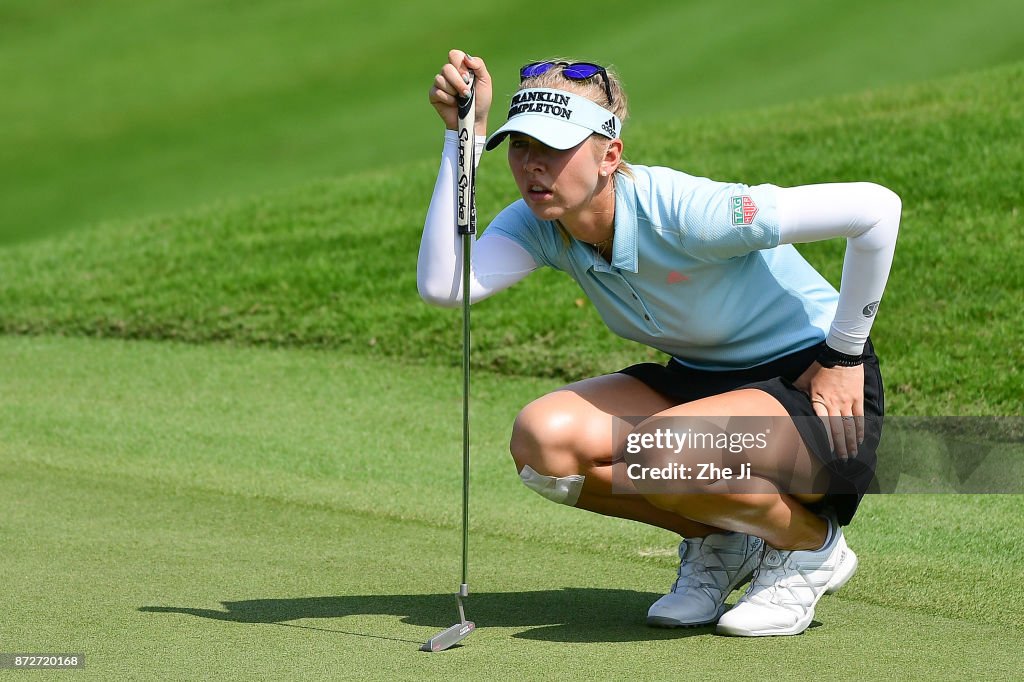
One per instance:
(119, 109)
(196, 512)
(332, 265)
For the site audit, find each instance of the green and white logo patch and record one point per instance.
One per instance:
(743, 210)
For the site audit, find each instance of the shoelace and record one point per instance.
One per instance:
(765, 587)
(692, 567)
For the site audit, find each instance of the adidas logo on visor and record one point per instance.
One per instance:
(609, 127)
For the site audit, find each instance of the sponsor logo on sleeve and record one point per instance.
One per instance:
(743, 210)
(870, 309)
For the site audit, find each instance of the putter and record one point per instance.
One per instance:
(466, 226)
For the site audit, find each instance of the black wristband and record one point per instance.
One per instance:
(830, 357)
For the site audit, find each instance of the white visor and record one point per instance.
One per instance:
(557, 118)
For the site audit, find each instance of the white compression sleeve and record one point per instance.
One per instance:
(497, 262)
(868, 215)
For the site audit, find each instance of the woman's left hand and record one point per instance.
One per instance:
(837, 395)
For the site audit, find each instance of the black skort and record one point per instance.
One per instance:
(849, 479)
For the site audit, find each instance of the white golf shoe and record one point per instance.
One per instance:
(787, 585)
(709, 569)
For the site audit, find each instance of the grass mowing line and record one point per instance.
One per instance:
(161, 584)
(95, 475)
(309, 268)
(299, 425)
(121, 108)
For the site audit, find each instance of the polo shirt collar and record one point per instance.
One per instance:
(624, 248)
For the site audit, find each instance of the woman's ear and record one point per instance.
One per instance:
(612, 157)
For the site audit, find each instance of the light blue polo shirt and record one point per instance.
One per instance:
(696, 272)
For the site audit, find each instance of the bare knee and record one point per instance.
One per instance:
(560, 435)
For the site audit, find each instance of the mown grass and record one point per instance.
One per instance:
(183, 512)
(218, 510)
(332, 264)
(120, 109)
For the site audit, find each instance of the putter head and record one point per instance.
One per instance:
(450, 637)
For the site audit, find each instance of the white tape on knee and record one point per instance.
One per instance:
(564, 490)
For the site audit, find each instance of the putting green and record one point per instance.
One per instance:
(190, 512)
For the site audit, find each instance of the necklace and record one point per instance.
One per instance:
(604, 243)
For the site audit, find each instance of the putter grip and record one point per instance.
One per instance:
(466, 206)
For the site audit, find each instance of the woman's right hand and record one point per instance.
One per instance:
(450, 83)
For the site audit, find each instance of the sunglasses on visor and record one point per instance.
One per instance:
(578, 71)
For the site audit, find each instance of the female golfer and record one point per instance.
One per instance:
(771, 375)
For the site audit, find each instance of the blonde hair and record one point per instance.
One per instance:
(592, 88)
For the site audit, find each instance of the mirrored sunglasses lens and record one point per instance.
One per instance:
(582, 71)
(535, 69)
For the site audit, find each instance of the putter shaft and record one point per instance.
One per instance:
(466, 226)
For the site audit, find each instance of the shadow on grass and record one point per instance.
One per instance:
(573, 614)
